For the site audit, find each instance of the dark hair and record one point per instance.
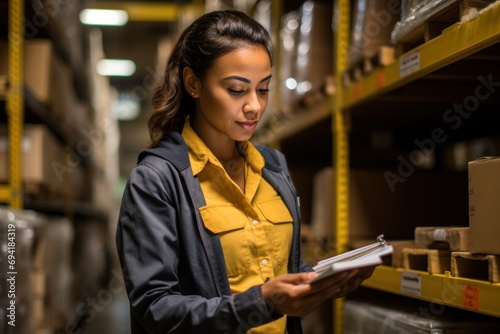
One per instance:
(208, 38)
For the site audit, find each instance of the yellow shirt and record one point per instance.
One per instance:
(255, 227)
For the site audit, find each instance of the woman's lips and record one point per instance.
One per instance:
(247, 125)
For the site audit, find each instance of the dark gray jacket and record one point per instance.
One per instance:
(174, 267)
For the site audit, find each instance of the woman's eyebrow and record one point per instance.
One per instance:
(245, 80)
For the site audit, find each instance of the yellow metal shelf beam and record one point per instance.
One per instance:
(4, 194)
(455, 43)
(303, 120)
(464, 293)
(152, 11)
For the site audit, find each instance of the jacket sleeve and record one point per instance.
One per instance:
(149, 251)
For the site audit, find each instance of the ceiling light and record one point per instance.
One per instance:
(115, 67)
(125, 107)
(104, 17)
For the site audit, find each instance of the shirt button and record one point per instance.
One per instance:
(264, 262)
(267, 279)
(255, 222)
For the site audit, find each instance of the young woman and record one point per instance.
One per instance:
(208, 233)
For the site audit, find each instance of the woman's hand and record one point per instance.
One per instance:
(355, 281)
(295, 295)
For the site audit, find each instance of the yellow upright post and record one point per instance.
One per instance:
(341, 148)
(276, 14)
(15, 100)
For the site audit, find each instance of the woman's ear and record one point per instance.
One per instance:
(191, 81)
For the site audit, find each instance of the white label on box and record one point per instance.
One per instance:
(409, 63)
(411, 283)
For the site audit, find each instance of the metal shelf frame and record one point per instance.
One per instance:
(151, 11)
(469, 294)
(12, 194)
(340, 149)
(294, 124)
(456, 42)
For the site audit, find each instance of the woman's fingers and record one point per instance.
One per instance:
(295, 295)
(335, 280)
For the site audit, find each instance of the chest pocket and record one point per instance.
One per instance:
(279, 228)
(229, 223)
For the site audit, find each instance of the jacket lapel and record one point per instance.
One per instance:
(211, 241)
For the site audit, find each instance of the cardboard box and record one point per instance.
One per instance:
(455, 239)
(484, 208)
(41, 151)
(396, 258)
(46, 76)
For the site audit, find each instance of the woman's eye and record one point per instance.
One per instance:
(236, 91)
(263, 91)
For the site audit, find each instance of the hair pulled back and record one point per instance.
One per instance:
(208, 38)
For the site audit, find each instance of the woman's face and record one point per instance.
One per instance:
(234, 93)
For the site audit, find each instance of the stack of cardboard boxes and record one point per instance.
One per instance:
(50, 167)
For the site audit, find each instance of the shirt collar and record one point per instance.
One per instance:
(200, 154)
(197, 150)
(252, 156)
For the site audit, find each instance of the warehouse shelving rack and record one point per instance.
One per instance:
(461, 51)
(456, 43)
(21, 105)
